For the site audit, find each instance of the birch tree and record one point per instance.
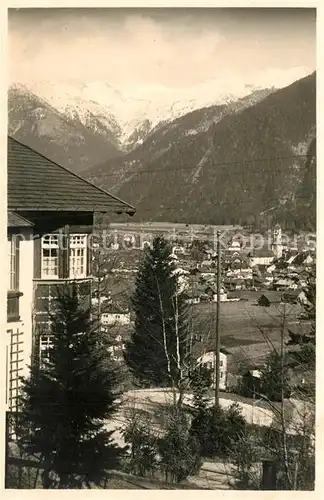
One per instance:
(159, 350)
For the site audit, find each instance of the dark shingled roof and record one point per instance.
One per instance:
(36, 183)
(272, 296)
(15, 220)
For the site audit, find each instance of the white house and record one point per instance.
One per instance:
(103, 298)
(207, 360)
(235, 247)
(224, 298)
(262, 257)
(115, 318)
(191, 297)
(20, 297)
(178, 249)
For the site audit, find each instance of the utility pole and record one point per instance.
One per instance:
(217, 344)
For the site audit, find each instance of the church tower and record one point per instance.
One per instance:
(277, 241)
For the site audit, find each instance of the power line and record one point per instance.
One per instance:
(218, 164)
(219, 206)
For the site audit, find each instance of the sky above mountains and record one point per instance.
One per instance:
(132, 56)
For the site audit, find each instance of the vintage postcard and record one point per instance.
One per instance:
(161, 248)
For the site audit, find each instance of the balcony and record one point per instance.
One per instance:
(13, 306)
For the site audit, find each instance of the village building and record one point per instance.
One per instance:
(117, 337)
(115, 315)
(262, 257)
(179, 249)
(192, 297)
(277, 246)
(207, 361)
(284, 284)
(269, 298)
(234, 247)
(95, 300)
(235, 283)
(50, 220)
(212, 293)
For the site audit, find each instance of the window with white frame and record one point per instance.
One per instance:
(50, 256)
(13, 262)
(44, 348)
(78, 255)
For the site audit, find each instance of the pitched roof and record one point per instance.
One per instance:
(272, 296)
(36, 183)
(15, 220)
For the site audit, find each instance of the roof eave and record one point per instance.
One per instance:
(119, 211)
(19, 221)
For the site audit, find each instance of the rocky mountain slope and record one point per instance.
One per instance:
(123, 120)
(64, 138)
(222, 164)
(153, 143)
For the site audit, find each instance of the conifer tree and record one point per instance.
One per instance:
(157, 349)
(274, 378)
(67, 401)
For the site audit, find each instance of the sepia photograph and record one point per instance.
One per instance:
(161, 248)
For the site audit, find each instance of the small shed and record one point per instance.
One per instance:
(269, 298)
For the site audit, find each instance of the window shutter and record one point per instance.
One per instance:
(89, 254)
(64, 252)
(17, 261)
(37, 257)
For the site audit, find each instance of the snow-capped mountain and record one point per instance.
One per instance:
(205, 167)
(131, 112)
(76, 139)
(80, 132)
(130, 115)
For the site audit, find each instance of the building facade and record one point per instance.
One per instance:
(115, 318)
(50, 221)
(207, 360)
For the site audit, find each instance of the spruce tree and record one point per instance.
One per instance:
(67, 400)
(158, 345)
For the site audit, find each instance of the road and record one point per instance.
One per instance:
(213, 475)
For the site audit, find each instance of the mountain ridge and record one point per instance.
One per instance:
(57, 131)
(234, 162)
(156, 177)
(67, 141)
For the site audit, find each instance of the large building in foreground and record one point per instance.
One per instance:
(50, 219)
